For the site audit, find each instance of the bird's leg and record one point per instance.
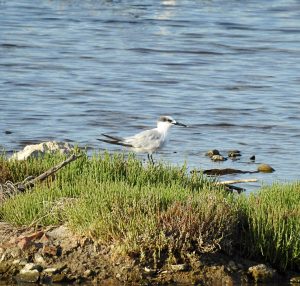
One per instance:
(150, 158)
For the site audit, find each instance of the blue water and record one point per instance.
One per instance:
(71, 70)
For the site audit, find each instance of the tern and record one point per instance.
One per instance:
(147, 141)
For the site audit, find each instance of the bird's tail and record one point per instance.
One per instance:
(114, 140)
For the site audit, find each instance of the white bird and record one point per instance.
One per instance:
(147, 141)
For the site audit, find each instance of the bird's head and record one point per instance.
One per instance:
(167, 122)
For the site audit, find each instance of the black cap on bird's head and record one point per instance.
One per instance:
(170, 120)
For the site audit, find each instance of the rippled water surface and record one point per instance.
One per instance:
(71, 70)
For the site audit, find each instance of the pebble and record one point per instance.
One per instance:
(232, 265)
(29, 267)
(211, 153)
(295, 279)
(218, 158)
(178, 267)
(50, 270)
(30, 273)
(262, 273)
(265, 168)
(31, 276)
(4, 267)
(149, 270)
(234, 153)
(59, 277)
(50, 250)
(87, 273)
(38, 258)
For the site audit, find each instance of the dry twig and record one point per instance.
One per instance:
(9, 189)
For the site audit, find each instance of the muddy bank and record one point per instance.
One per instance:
(55, 255)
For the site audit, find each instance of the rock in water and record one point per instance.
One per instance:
(211, 153)
(252, 158)
(43, 148)
(218, 158)
(262, 273)
(233, 154)
(265, 168)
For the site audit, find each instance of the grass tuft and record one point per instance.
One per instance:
(271, 225)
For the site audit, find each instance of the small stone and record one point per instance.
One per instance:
(50, 270)
(28, 267)
(60, 232)
(15, 252)
(295, 279)
(178, 267)
(39, 259)
(232, 265)
(265, 168)
(4, 266)
(31, 276)
(218, 158)
(252, 158)
(87, 273)
(50, 250)
(211, 153)
(262, 273)
(59, 277)
(3, 256)
(234, 153)
(149, 270)
(16, 261)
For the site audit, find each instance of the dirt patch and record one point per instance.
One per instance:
(55, 254)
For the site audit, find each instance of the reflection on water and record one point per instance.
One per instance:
(71, 70)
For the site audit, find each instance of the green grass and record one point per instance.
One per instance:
(271, 225)
(157, 213)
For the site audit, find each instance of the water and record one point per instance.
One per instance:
(71, 70)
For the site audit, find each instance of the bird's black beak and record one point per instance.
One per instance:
(180, 124)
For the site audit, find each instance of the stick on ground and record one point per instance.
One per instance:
(236, 181)
(51, 171)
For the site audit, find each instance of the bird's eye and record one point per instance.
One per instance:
(169, 120)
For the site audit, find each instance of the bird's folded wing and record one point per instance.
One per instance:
(145, 139)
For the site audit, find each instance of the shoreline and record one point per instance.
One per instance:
(112, 219)
(57, 255)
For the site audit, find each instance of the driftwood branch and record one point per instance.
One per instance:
(42, 177)
(228, 184)
(10, 189)
(232, 188)
(236, 181)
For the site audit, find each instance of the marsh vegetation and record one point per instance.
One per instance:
(157, 213)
